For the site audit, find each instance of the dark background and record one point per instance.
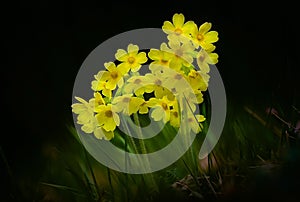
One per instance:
(46, 42)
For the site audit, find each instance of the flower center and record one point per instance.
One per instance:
(143, 104)
(108, 113)
(164, 106)
(114, 75)
(178, 76)
(158, 82)
(178, 31)
(173, 90)
(178, 53)
(126, 99)
(200, 37)
(131, 60)
(137, 81)
(201, 58)
(100, 102)
(163, 61)
(190, 120)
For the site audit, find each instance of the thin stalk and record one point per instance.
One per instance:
(92, 173)
(142, 145)
(110, 183)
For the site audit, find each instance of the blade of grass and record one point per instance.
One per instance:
(110, 184)
(65, 188)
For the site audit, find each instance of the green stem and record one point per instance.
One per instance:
(143, 147)
(110, 183)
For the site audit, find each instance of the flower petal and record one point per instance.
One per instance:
(204, 28)
(213, 58)
(132, 48)
(154, 54)
(211, 37)
(110, 66)
(121, 55)
(189, 27)
(168, 27)
(98, 132)
(141, 57)
(178, 20)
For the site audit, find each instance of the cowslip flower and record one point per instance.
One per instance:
(113, 76)
(107, 118)
(194, 122)
(178, 30)
(137, 85)
(203, 37)
(86, 118)
(132, 59)
(160, 57)
(101, 86)
(175, 115)
(205, 58)
(177, 83)
(100, 133)
(84, 110)
(127, 104)
(181, 54)
(155, 84)
(161, 108)
(196, 81)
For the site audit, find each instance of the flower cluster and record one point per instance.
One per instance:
(172, 81)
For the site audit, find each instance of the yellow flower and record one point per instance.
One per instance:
(160, 57)
(190, 101)
(107, 118)
(161, 108)
(181, 54)
(203, 37)
(85, 111)
(98, 85)
(131, 60)
(101, 133)
(137, 85)
(113, 76)
(98, 100)
(205, 77)
(176, 83)
(86, 118)
(196, 81)
(199, 97)
(143, 108)
(127, 104)
(193, 122)
(206, 57)
(178, 31)
(175, 115)
(155, 84)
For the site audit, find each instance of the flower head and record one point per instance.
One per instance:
(127, 104)
(205, 58)
(175, 115)
(194, 122)
(160, 57)
(196, 81)
(161, 108)
(100, 85)
(181, 54)
(132, 59)
(203, 37)
(113, 76)
(137, 85)
(178, 30)
(107, 118)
